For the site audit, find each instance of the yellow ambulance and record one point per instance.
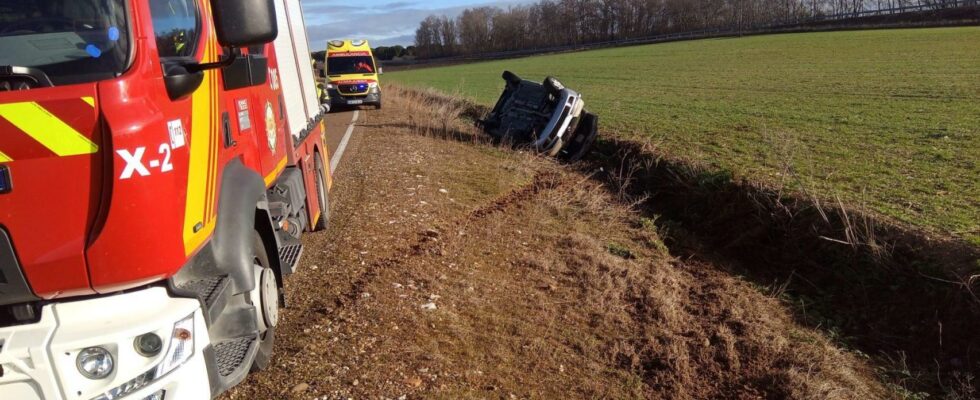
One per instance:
(352, 74)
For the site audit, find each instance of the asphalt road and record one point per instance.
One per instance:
(340, 124)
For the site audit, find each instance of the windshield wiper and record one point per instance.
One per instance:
(39, 78)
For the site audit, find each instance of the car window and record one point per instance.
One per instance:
(347, 64)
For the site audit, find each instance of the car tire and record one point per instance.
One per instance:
(511, 78)
(553, 85)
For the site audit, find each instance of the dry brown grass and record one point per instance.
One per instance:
(431, 113)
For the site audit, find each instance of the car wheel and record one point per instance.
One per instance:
(511, 78)
(553, 85)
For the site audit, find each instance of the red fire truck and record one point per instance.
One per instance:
(159, 160)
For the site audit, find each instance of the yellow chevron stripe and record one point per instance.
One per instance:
(199, 168)
(275, 173)
(5, 158)
(47, 129)
(89, 100)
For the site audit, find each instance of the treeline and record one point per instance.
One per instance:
(550, 23)
(385, 53)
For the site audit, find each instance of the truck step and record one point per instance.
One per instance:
(206, 288)
(231, 354)
(230, 360)
(289, 256)
(211, 290)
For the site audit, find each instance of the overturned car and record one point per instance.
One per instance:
(547, 116)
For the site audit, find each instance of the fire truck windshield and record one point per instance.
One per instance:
(70, 41)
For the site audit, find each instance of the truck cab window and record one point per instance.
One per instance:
(177, 27)
(64, 41)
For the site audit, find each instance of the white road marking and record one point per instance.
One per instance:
(337, 155)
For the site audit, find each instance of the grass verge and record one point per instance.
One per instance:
(886, 120)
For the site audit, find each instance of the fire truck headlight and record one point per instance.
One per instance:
(181, 346)
(95, 363)
(180, 350)
(148, 345)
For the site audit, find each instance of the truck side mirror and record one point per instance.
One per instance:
(180, 82)
(243, 23)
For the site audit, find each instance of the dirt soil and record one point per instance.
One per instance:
(456, 269)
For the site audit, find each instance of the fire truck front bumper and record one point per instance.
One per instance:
(142, 345)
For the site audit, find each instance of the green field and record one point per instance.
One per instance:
(883, 119)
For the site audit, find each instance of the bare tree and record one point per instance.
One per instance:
(550, 23)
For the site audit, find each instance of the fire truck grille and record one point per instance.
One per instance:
(231, 354)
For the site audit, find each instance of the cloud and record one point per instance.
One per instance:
(404, 40)
(397, 5)
(383, 22)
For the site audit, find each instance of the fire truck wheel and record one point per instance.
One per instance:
(321, 194)
(265, 298)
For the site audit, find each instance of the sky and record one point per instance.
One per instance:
(383, 22)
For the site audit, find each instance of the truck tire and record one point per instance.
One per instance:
(265, 298)
(323, 199)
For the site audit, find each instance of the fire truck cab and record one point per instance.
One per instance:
(159, 161)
